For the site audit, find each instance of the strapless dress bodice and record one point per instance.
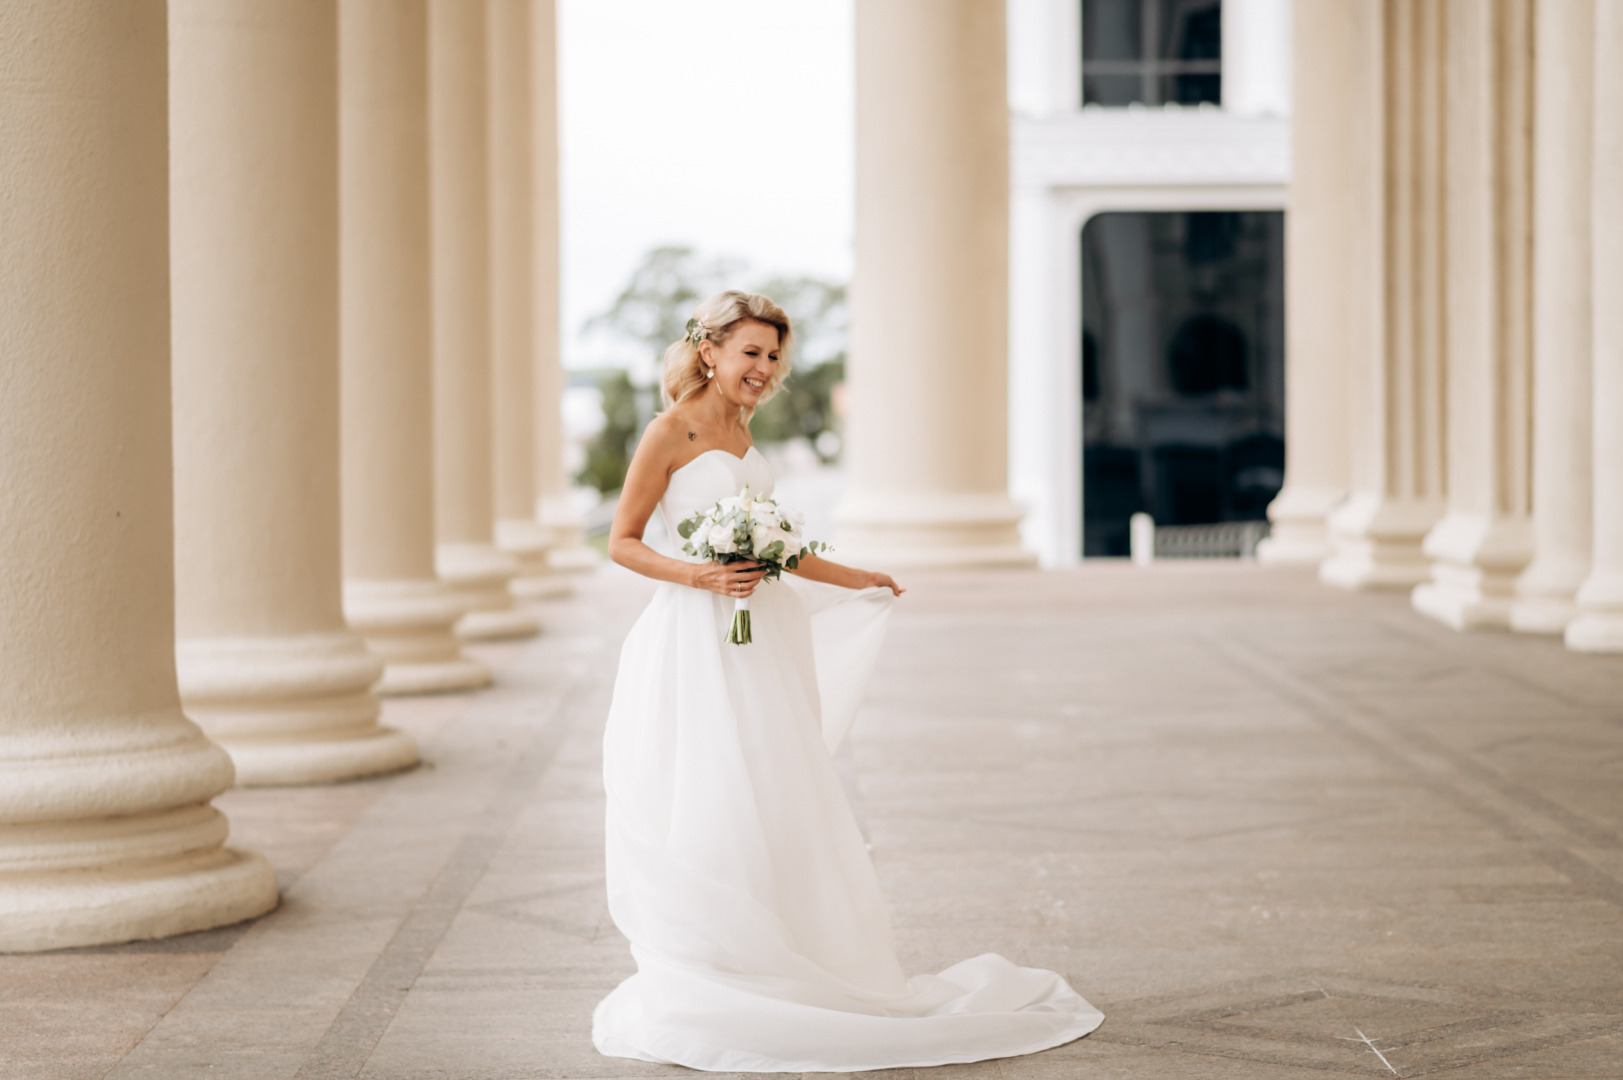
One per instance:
(701, 483)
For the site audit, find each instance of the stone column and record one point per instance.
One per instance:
(512, 281)
(562, 525)
(267, 665)
(1564, 44)
(464, 504)
(106, 832)
(1327, 78)
(928, 427)
(1599, 625)
(1395, 388)
(390, 592)
(1485, 539)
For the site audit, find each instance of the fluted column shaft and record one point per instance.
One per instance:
(1395, 385)
(391, 594)
(106, 832)
(1331, 82)
(267, 664)
(1484, 540)
(464, 503)
(1599, 624)
(1563, 68)
(562, 525)
(928, 428)
(512, 285)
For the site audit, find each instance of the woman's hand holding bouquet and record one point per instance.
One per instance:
(745, 529)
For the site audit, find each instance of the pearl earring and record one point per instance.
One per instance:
(709, 372)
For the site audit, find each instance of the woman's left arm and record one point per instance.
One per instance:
(813, 568)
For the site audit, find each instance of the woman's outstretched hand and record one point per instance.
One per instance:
(734, 579)
(888, 582)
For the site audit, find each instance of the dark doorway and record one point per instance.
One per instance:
(1183, 377)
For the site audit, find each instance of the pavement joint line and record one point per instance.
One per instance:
(1455, 645)
(1359, 726)
(1594, 833)
(347, 1044)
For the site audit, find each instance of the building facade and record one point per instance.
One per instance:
(1150, 148)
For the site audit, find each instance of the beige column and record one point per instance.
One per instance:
(1393, 271)
(563, 526)
(464, 504)
(1331, 84)
(928, 445)
(1485, 538)
(390, 592)
(1564, 44)
(512, 292)
(267, 665)
(106, 832)
(1599, 625)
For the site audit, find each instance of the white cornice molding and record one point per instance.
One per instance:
(1173, 147)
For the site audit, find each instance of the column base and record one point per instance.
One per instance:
(480, 575)
(575, 558)
(526, 540)
(291, 710)
(548, 586)
(349, 757)
(1376, 543)
(1477, 559)
(1596, 633)
(92, 881)
(74, 908)
(1546, 597)
(1599, 625)
(1300, 535)
(565, 528)
(498, 625)
(409, 624)
(929, 531)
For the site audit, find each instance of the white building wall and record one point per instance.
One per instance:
(1069, 163)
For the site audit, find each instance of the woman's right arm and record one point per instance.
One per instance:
(646, 480)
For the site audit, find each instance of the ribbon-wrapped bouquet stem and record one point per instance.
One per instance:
(750, 528)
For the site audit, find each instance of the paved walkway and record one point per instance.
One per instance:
(1272, 830)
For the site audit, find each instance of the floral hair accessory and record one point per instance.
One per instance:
(696, 331)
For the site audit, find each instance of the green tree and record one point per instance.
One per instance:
(608, 455)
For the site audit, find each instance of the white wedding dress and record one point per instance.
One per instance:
(735, 867)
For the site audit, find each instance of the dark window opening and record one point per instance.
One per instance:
(1207, 355)
(1152, 52)
(1183, 370)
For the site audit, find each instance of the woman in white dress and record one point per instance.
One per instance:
(734, 865)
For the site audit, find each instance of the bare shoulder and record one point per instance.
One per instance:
(662, 441)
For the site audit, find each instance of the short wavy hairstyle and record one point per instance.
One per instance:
(714, 321)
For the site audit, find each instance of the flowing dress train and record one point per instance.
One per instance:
(735, 867)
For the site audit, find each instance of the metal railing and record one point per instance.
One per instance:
(1221, 540)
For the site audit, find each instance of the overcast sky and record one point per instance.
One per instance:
(722, 124)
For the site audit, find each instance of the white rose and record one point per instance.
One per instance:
(762, 535)
(721, 540)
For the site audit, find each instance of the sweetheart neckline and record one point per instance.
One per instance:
(716, 450)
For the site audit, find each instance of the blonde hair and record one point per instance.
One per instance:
(714, 321)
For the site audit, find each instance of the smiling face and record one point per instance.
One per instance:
(746, 364)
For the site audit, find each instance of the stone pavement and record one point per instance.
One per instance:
(1271, 829)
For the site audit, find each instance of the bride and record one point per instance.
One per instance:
(734, 864)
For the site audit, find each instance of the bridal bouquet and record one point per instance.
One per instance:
(744, 527)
